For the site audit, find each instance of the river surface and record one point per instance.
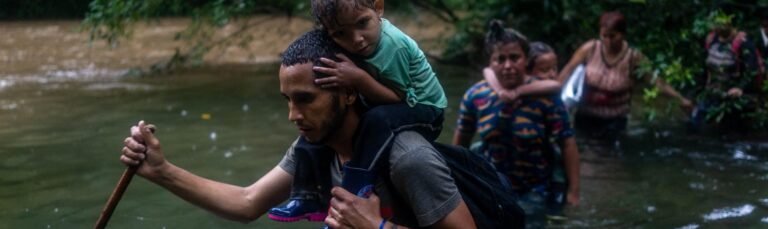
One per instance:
(66, 106)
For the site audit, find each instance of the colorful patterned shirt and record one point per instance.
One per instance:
(517, 138)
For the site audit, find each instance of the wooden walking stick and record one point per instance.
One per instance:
(122, 184)
(115, 197)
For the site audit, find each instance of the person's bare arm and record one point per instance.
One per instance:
(663, 86)
(377, 92)
(571, 160)
(350, 211)
(243, 204)
(539, 87)
(459, 218)
(506, 94)
(578, 57)
(345, 73)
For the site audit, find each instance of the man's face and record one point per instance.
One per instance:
(317, 113)
(508, 62)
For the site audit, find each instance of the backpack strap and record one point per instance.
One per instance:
(708, 41)
(737, 41)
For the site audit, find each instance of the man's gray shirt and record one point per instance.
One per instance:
(424, 191)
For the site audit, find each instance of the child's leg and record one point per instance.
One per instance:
(310, 192)
(379, 126)
(311, 179)
(375, 133)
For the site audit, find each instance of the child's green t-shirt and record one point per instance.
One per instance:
(404, 68)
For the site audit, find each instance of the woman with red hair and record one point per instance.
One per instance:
(610, 74)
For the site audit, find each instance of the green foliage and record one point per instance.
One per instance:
(651, 93)
(765, 87)
(42, 9)
(112, 20)
(720, 18)
(730, 107)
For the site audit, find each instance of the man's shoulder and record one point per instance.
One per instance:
(410, 148)
(410, 141)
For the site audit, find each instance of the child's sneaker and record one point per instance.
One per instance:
(298, 209)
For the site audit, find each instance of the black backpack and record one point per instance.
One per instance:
(485, 191)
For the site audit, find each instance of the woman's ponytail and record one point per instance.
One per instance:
(498, 34)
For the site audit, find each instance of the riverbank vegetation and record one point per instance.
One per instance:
(670, 33)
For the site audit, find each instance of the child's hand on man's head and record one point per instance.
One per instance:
(343, 73)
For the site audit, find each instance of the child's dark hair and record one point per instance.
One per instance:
(498, 35)
(538, 49)
(310, 47)
(325, 11)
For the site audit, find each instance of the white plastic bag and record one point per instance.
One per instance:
(574, 87)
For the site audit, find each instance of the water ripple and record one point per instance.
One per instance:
(740, 155)
(689, 226)
(55, 74)
(723, 213)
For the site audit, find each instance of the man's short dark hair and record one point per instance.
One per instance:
(310, 47)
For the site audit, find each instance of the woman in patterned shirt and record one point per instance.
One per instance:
(516, 136)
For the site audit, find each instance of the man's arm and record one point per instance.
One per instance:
(460, 217)
(243, 204)
(422, 180)
(350, 211)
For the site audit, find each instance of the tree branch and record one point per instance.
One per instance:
(439, 9)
